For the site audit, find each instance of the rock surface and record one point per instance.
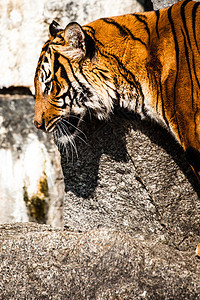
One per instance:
(158, 4)
(38, 262)
(131, 175)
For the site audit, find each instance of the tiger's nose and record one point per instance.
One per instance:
(40, 125)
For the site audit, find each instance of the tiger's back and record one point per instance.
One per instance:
(146, 62)
(158, 53)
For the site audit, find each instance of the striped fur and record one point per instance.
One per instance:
(146, 62)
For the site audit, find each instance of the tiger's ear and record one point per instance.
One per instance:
(54, 28)
(75, 40)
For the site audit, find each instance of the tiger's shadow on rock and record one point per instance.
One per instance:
(81, 166)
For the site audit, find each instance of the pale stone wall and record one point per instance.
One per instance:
(158, 4)
(24, 29)
(31, 181)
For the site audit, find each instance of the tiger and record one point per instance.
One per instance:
(147, 62)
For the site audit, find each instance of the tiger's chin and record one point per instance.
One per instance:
(60, 140)
(65, 130)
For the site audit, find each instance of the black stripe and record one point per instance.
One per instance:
(163, 107)
(124, 31)
(157, 20)
(56, 63)
(189, 68)
(121, 28)
(54, 105)
(64, 75)
(140, 18)
(46, 75)
(194, 11)
(100, 76)
(45, 59)
(64, 95)
(90, 27)
(46, 46)
(49, 51)
(177, 62)
(186, 1)
(195, 123)
(53, 124)
(60, 37)
(184, 20)
(157, 97)
(82, 73)
(84, 88)
(55, 101)
(93, 35)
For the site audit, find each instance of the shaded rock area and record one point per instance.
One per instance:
(132, 175)
(38, 262)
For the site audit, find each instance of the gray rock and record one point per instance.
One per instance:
(158, 4)
(131, 175)
(38, 262)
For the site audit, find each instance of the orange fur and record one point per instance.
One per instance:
(147, 62)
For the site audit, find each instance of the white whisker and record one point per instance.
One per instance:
(71, 140)
(64, 134)
(81, 139)
(78, 129)
(58, 137)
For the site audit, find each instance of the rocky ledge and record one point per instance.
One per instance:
(38, 262)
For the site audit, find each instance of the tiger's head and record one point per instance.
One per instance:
(70, 80)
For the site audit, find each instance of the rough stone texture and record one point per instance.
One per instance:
(31, 181)
(158, 4)
(132, 176)
(38, 262)
(24, 29)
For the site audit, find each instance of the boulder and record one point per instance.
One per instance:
(131, 175)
